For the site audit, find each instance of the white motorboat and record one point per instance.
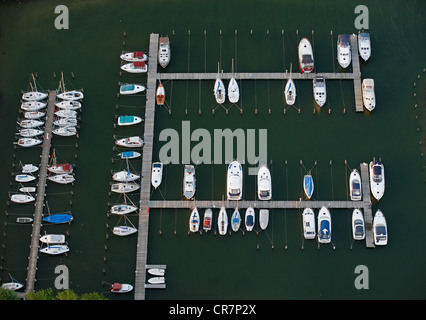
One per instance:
(121, 288)
(123, 231)
(24, 220)
(129, 155)
(157, 280)
(157, 271)
(324, 226)
(234, 181)
(306, 56)
(368, 95)
(290, 91)
(69, 105)
(219, 91)
(320, 91)
(235, 220)
(61, 168)
(29, 168)
(160, 95)
(62, 178)
(355, 186)
(30, 132)
(194, 221)
(222, 221)
(343, 50)
(122, 209)
(130, 142)
(308, 218)
(128, 88)
(66, 113)
(189, 182)
(249, 219)
(358, 226)
(364, 45)
(21, 198)
(263, 218)
(124, 187)
(377, 179)
(164, 52)
(34, 96)
(233, 91)
(65, 131)
(128, 120)
(157, 174)
(135, 67)
(24, 178)
(28, 142)
(264, 184)
(65, 122)
(53, 239)
(32, 106)
(71, 95)
(133, 56)
(208, 218)
(30, 123)
(34, 114)
(308, 185)
(380, 229)
(55, 249)
(12, 286)
(27, 189)
(125, 176)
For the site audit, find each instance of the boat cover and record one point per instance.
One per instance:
(138, 54)
(343, 40)
(307, 59)
(127, 87)
(116, 287)
(140, 64)
(126, 119)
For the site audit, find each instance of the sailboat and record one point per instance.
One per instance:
(161, 94)
(30, 123)
(222, 221)
(65, 122)
(33, 105)
(64, 178)
(29, 168)
(28, 133)
(123, 230)
(157, 174)
(189, 182)
(263, 218)
(28, 142)
(264, 185)
(59, 168)
(125, 176)
(71, 95)
(194, 221)
(308, 218)
(308, 185)
(14, 285)
(219, 90)
(249, 219)
(133, 56)
(53, 239)
(24, 177)
(290, 90)
(355, 185)
(69, 105)
(235, 220)
(34, 114)
(207, 222)
(66, 113)
(124, 187)
(33, 95)
(129, 155)
(324, 225)
(21, 198)
(65, 131)
(233, 90)
(55, 249)
(122, 209)
(234, 181)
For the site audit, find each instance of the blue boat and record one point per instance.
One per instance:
(58, 218)
(324, 226)
(308, 185)
(129, 155)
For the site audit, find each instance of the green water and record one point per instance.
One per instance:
(272, 264)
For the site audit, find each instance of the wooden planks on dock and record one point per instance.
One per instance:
(366, 198)
(356, 70)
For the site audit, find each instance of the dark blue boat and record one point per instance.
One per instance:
(58, 218)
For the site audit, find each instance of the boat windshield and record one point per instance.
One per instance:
(377, 173)
(307, 59)
(234, 192)
(381, 230)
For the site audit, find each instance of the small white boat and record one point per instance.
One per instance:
(24, 178)
(30, 132)
(128, 88)
(71, 95)
(122, 209)
(364, 45)
(377, 179)
(66, 113)
(125, 176)
(249, 219)
(324, 226)
(235, 220)
(164, 52)
(380, 229)
(189, 182)
(12, 286)
(28, 142)
(308, 185)
(34, 114)
(53, 238)
(61, 168)
(34, 96)
(71, 105)
(234, 181)
(124, 187)
(160, 95)
(157, 174)
(222, 221)
(121, 288)
(320, 91)
(358, 226)
(194, 221)
(27, 189)
(207, 222)
(233, 91)
(306, 56)
(290, 91)
(65, 131)
(24, 220)
(263, 218)
(123, 231)
(65, 122)
(355, 186)
(308, 218)
(55, 249)
(134, 56)
(32, 106)
(343, 50)
(264, 183)
(157, 271)
(135, 67)
(128, 120)
(30, 123)
(131, 142)
(29, 168)
(157, 280)
(219, 91)
(129, 155)
(21, 198)
(62, 178)
(368, 95)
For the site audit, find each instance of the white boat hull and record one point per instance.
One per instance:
(235, 220)
(131, 142)
(124, 187)
(121, 288)
(344, 56)
(377, 181)
(28, 142)
(320, 90)
(157, 280)
(133, 67)
(55, 249)
(380, 229)
(125, 176)
(122, 209)
(53, 239)
(62, 178)
(12, 286)
(194, 221)
(32, 106)
(222, 221)
(34, 96)
(156, 174)
(21, 198)
(233, 91)
(189, 182)
(134, 56)
(123, 231)
(127, 89)
(364, 46)
(164, 52)
(28, 133)
(290, 92)
(71, 95)
(368, 95)
(157, 272)
(355, 188)
(128, 120)
(308, 218)
(306, 56)
(69, 105)
(264, 184)
(208, 218)
(235, 181)
(263, 218)
(219, 91)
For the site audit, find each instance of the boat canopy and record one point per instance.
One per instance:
(128, 87)
(116, 287)
(127, 119)
(139, 64)
(138, 54)
(343, 40)
(307, 59)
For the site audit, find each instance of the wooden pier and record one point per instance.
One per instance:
(366, 199)
(356, 70)
(41, 186)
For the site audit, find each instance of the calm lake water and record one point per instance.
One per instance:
(269, 264)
